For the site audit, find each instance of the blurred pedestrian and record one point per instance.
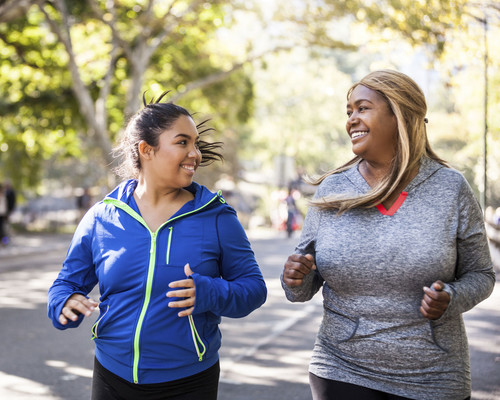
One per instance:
(292, 212)
(396, 240)
(84, 201)
(11, 196)
(170, 258)
(4, 240)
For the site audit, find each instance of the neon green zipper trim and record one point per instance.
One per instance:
(94, 327)
(147, 298)
(149, 283)
(169, 243)
(196, 339)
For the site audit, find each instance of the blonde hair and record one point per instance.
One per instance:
(407, 102)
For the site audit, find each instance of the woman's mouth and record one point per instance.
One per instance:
(357, 135)
(188, 167)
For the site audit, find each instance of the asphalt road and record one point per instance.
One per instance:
(264, 356)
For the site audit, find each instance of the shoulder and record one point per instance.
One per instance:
(451, 174)
(434, 177)
(452, 180)
(337, 182)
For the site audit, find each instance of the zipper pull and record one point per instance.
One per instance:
(221, 199)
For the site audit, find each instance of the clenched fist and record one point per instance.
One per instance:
(296, 268)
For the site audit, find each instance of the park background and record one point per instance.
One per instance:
(271, 75)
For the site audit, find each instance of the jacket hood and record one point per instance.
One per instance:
(428, 167)
(125, 190)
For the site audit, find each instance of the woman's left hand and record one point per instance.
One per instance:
(435, 301)
(188, 292)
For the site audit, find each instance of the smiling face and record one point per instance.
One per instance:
(371, 125)
(173, 163)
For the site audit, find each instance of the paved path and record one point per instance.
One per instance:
(264, 356)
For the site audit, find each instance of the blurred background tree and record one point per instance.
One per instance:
(272, 75)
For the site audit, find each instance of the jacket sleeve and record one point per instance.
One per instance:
(77, 274)
(241, 287)
(307, 245)
(313, 281)
(475, 278)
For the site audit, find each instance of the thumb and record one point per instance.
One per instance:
(187, 270)
(438, 286)
(311, 258)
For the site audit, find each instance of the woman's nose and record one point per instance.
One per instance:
(194, 152)
(351, 120)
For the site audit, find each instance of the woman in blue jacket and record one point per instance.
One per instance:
(170, 258)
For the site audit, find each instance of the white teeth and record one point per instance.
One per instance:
(358, 134)
(188, 167)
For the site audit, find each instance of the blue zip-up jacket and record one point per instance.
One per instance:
(137, 336)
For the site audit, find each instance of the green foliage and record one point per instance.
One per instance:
(292, 103)
(45, 124)
(37, 106)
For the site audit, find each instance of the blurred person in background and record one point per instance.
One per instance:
(292, 212)
(84, 202)
(4, 240)
(11, 196)
(396, 241)
(170, 258)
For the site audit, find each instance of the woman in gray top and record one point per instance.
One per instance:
(396, 240)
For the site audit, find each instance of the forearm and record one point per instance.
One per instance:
(310, 286)
(224, 298)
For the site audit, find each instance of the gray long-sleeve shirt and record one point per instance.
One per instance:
(373, 267)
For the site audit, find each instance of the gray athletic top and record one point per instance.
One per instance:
(372, 268)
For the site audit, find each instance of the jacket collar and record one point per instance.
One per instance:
(125, 190)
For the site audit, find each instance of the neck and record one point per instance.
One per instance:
(153, 194)
(374, 173)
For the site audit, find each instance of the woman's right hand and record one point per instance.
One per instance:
(296, 268)
(77, 304)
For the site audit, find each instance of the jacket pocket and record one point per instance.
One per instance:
(444, 333)
(98, 324)
(199, 346)
(191, 329)
(339, 325)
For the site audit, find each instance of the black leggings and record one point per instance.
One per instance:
(326, 389)
(201, 386)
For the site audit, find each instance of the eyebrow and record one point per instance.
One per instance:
(360, 101)
(185, 135)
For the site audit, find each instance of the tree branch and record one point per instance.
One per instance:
(112, 25)
(20, 51)
(80, 91)
(12, 10)
(221, 75)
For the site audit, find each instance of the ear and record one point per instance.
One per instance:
(145, 149)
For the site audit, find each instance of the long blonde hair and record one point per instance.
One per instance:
(407, 102)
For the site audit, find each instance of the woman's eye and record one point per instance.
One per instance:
(183, 142)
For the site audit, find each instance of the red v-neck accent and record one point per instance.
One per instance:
(395, 207)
